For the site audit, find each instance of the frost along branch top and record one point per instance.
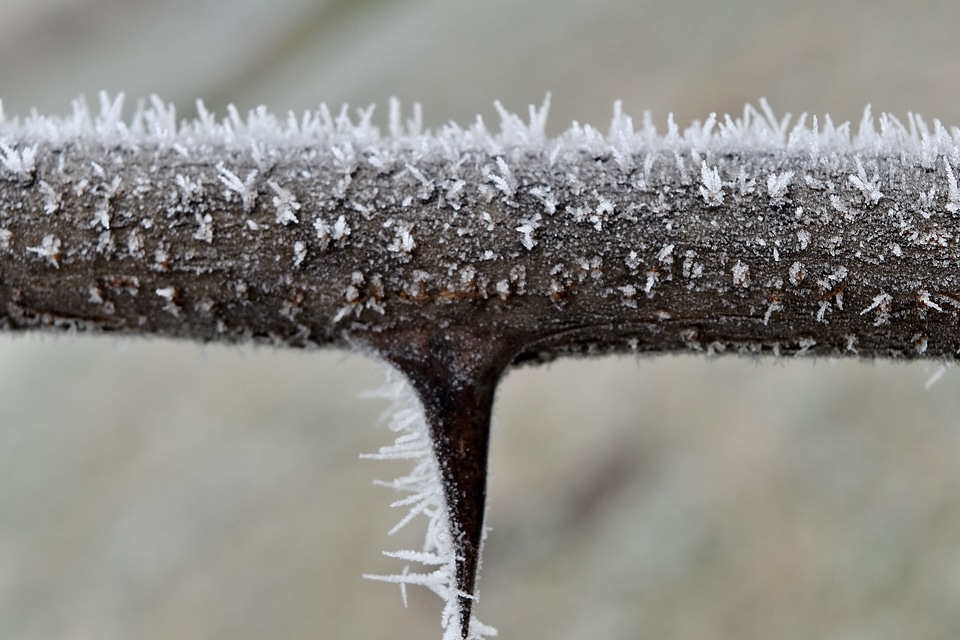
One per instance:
(456, 253)
(744, 234)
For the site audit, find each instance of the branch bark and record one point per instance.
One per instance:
(320, 233)
(457, 253)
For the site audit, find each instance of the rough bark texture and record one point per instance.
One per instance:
(567, 246)
(457, 253)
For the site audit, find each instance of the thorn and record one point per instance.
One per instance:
(454, 373)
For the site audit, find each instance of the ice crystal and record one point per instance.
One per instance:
(424, 497)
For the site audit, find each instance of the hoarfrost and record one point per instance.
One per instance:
(101, 216)
(777, 184)
(691, 269)
(867, 186)
(741, 275)
(423, 488)
(204, 231)
(923, 298)
(49, 249)
(340, 229)
(246, 189)
(526, 229)
(285, 203)
(774, 307)
(805, 345)
(299, 253)
(954, 205)
(20, 162)
(51, 198)
(712, 188)
(505, 182)
(403, 242)
(796, 273)
(882, 305)
(653, 277)
(169, 294)
(937, 375)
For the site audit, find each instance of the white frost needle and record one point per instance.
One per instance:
(425, 489)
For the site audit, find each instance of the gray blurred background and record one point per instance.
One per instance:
(157, 491)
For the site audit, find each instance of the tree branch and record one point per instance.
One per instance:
(740, 236)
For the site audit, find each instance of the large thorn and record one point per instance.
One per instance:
(455, 373)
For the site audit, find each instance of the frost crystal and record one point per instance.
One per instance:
(954, 205)
(526, 229)
(777, 184)
(867, 186)
(18, 162)
(245, 188)
(882, 304)
(49, 248)
(299, 253)
(51, 198)
(741, 275)
(285, 203)
(403, 242)
(712, 188)
(425, 497)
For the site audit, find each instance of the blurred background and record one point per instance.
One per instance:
(156, 491)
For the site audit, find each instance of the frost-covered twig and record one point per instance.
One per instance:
(738, 234)
(457, 252)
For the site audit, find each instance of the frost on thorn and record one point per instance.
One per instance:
(285, 203)
(247, 189)
(712, 188)
(424, 496)
(49, 248)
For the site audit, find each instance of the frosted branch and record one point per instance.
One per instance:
(456, 253)
(313, 231)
